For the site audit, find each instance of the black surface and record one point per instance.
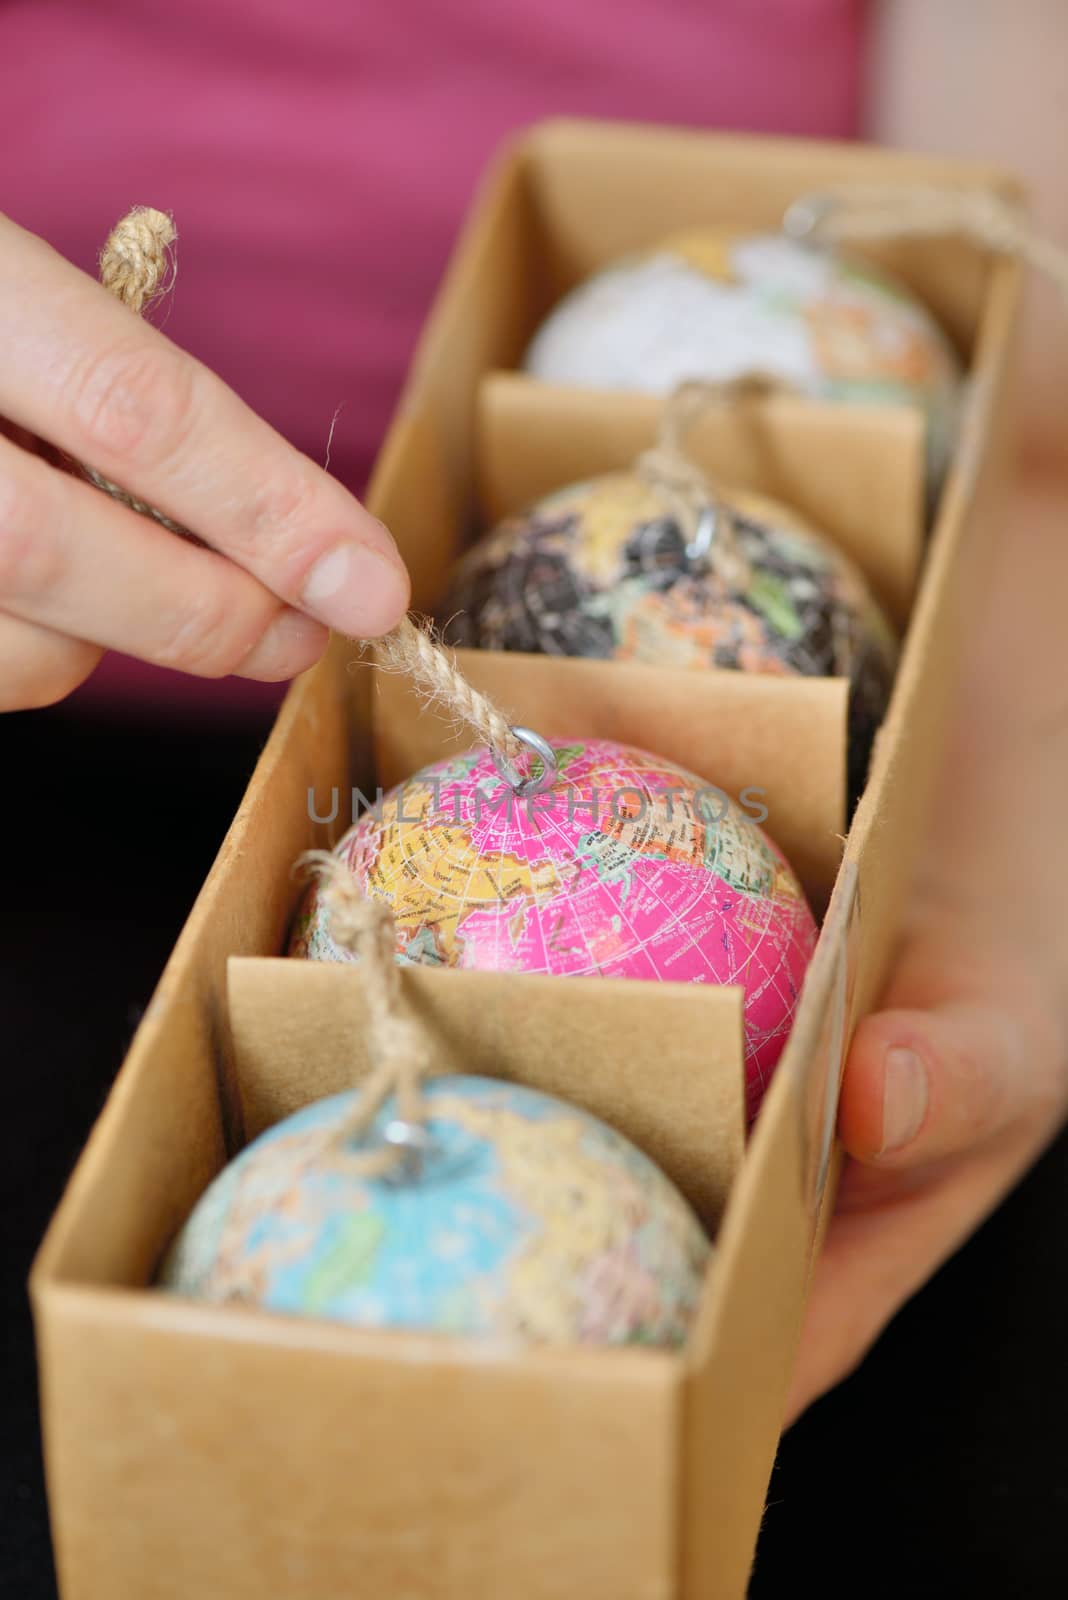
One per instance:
(938, 1470)
(108, 829)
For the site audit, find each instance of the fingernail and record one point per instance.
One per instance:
(904, 1098)
(357, 591)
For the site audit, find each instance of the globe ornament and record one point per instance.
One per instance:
(717, 302)
(628, 867)
(529, 1221)
(604, 569)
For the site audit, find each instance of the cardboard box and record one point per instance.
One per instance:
(226, 1453)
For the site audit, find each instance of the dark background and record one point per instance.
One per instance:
(939, 1469)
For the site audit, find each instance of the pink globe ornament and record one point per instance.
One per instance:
(628, 866)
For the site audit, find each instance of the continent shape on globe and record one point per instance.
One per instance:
(717, 302)
(531, 1220)
(627, 867)
(601, 569)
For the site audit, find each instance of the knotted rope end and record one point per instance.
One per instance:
(136, 264)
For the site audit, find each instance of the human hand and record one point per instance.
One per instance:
(955, 1086)
(287, 552)
(951, 1092)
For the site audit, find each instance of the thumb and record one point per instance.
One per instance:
(921, 1085)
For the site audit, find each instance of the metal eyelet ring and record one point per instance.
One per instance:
(803, 219)
(413, 1141)
(522, 788)
(703, 535)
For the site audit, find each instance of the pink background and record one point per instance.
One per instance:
(318, 157)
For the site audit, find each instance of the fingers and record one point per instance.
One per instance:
(83, 372)
(883, 1245)
(923, 1085)
(39, 667)
(948, 1096)
(943, 1107)
(291, 643)
(75, 563)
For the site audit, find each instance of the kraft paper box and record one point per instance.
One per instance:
(203, 1453)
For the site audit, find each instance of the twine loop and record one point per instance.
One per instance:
(884, 211)
(703, 514)
(411, 649)
(398, 1046)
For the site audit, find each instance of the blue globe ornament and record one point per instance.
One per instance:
(528, 1220)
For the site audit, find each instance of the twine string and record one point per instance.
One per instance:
(689, 493)
(412, 649)
(136, 266)
(398, 1047)
(884, 211)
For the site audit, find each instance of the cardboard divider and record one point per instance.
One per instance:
(856, 473)
(783, 736)
(662, 1063)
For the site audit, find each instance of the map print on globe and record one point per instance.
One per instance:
(600, 569)
(716, 302)
(531, 1220)
(629, 867)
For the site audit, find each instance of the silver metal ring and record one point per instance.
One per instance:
(413, 1140)
(524, 787)
(804, 218)
(703, 535)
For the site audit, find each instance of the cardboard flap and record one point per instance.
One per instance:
(856, 473)
(224, 1453)
(783, 736)
(660, 1062)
